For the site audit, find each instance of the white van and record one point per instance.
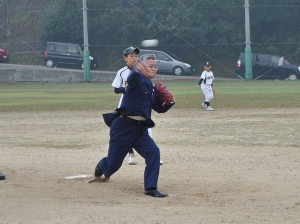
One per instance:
(169, 65)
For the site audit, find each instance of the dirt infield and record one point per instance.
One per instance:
(225, 166)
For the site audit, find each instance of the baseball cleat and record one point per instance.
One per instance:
(132, 159)
(209, 108)
(98, 173)
(204, 105)
(2, 177)
(155, 193)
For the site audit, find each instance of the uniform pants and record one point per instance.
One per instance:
(125, 135)
(208, 93)
(150, 134)
(280, 73)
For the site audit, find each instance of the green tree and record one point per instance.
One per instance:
(195, 30)
(275, 22)
(62, 22)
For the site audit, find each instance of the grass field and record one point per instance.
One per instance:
(98, 96)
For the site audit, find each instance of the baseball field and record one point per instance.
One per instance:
(237, 164)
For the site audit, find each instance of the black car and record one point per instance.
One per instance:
(59, 54)
(265, 66)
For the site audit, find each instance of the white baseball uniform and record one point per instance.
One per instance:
(120, 80)
(206, 85)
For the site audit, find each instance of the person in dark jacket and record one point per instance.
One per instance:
(130, 128)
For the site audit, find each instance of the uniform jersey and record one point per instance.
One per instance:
(120, 80)
(140, 97)
(281, 62)
(207, 77)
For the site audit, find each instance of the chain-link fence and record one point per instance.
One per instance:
(24, 47)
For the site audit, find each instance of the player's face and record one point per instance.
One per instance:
(149, 68)
(131, 59)
(207, 68)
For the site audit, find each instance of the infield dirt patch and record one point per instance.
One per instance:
(225, 166)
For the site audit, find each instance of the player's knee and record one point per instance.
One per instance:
(155, 151)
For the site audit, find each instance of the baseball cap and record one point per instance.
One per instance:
(206, 64)
(129, 50)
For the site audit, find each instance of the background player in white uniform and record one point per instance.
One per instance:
(280, 72)
(130, 55)
(206, 83)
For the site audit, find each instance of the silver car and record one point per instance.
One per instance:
(169, 65)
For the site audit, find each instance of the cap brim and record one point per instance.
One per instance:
(136, 50)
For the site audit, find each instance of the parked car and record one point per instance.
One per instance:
(169, 65)
(4, 55)
(265, 66)
(59, 54)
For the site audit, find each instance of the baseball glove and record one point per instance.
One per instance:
(163, 93)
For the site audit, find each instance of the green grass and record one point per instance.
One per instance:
(245, 94)
(100, 96)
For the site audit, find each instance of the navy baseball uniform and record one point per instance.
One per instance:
(129, 130)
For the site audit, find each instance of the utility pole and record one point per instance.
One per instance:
(248, 53)
(6, 17)
(86, 53)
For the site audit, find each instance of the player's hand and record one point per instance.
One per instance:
(214, 92)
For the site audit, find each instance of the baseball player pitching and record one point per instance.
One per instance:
(206, 83)
(130, 55)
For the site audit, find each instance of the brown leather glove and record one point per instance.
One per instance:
(163, 93)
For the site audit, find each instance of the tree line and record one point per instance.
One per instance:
(194, 30)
